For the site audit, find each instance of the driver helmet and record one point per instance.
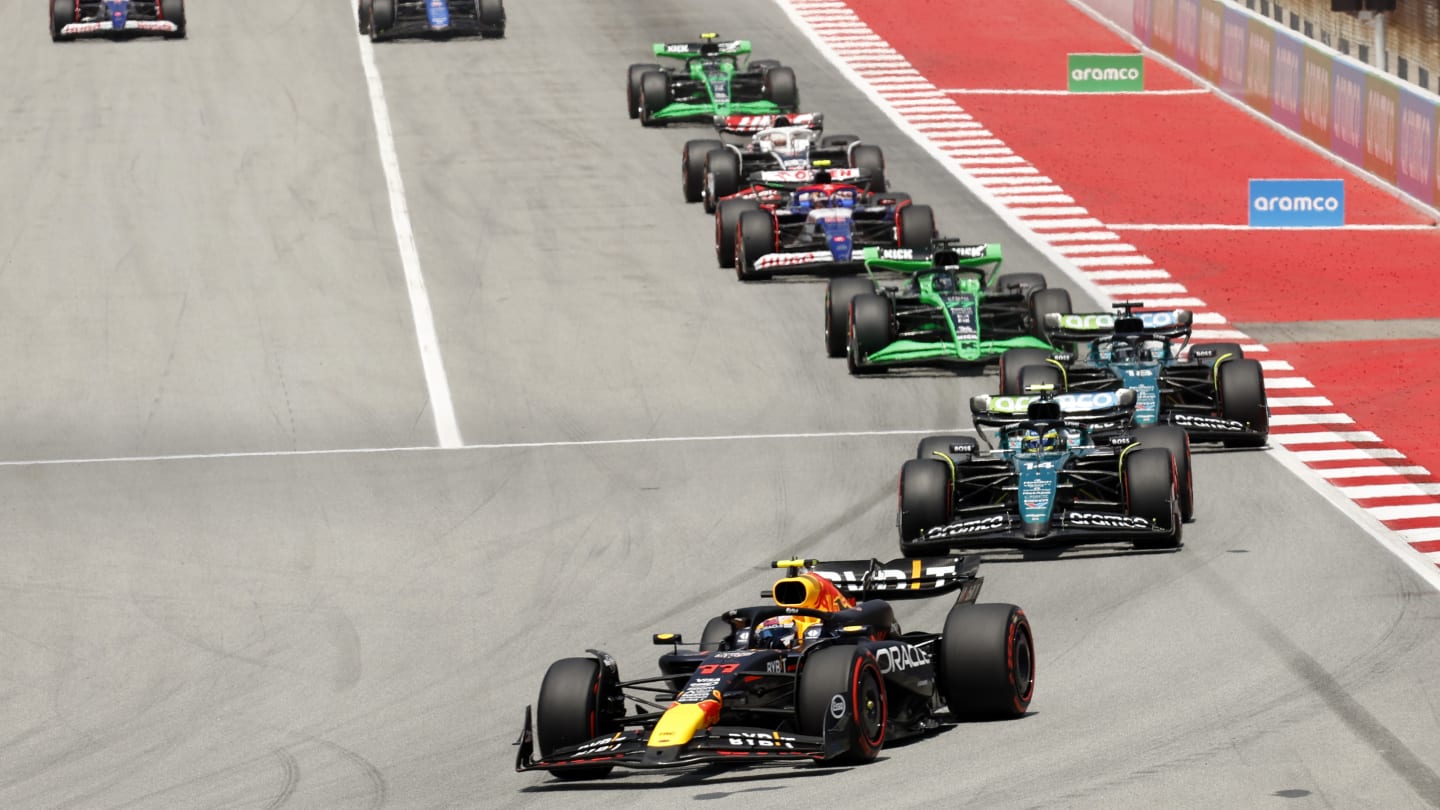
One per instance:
(943, 282)
(1040, 440)
(778, 140)
(777, 633)
(1128, 352)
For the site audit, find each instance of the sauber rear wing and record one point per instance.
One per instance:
(905, 577)
(751, 124)
(708, 47)
(942, 253)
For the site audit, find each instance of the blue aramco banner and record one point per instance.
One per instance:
(1297, 203)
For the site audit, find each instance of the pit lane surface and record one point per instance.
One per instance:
(198, 259)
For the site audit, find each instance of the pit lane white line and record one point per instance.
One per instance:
(900, 113)
(1140, 226)
(357, 451)
(447, 429)
(980, 91)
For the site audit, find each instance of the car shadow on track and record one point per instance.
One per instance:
(704, 776)
(1087, 552)
(956, 372)
(1218, 450)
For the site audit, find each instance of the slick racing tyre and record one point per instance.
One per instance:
(986, 667)
(1209, 354)
(572, 710)
(837, 311)
(727, 220)
(956, 448)
(1240, 386)
(914, 227)
(764, 65)
(62, 13)
(382, 17)
(870, 159)
(722, 176)
(1147, 476)
(717, 631)
(1177, 441)
(362, 15)
(754, 239)
(779, 88)
(1019, 283)
(492, 18)
(925, 500)
(1047, 374)
(838, 141)
(1045, 302)
(872, 328)
(843, 682)
(1012, 361)
(632, 87)
(654, 97)
(174, 11)
(692, 168)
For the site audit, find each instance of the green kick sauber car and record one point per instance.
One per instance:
(953, 309)
(718, 79)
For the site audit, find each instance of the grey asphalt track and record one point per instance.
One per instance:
(196, 254)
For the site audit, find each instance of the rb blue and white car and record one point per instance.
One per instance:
(70, 19)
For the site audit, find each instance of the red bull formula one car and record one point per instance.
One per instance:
(76, 18)
(824, 674)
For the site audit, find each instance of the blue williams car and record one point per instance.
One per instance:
(77, 18)
(386, 19)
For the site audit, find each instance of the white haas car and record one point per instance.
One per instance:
(781, 153)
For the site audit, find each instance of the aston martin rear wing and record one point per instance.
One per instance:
(1088, 326)
(1089, 409)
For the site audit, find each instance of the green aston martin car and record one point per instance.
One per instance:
(717, 78)
(952, 308)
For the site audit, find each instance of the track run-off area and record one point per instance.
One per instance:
(248, 563)
(1144, 194)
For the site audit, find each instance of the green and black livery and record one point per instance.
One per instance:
(954, 308)
(718, 78)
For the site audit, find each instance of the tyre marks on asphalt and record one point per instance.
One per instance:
(1305, 423)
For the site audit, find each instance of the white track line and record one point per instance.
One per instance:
(1003, 92)
(969, 175)
(1134, 226)
(447, 429)
(356, 451)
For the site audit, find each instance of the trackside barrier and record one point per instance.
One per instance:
(1364, 116)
